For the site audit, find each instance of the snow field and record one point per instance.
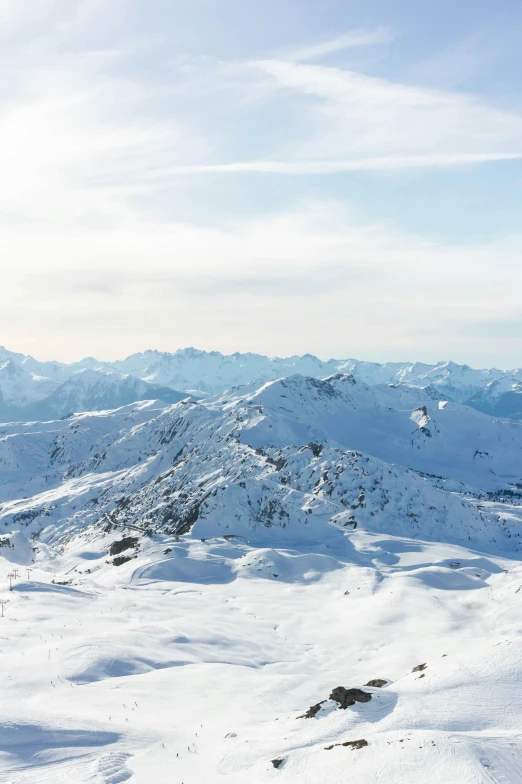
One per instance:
(112, 677)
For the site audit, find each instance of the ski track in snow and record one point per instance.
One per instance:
(108, 769)
(498, 758)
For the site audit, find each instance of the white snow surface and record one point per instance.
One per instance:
(191, 578)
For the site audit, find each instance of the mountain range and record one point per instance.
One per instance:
(30, 389)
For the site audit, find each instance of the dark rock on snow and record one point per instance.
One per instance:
(119, 545)
(121, 559)
(316, 448)
(353, 744)
(312, 711)
(348, 697)
(345, 698)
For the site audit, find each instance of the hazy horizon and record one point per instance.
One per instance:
(324, 358)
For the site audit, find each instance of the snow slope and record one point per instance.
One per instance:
(195, 665)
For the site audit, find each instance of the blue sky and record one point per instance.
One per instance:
(340, 178)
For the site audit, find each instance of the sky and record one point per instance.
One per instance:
(328, 176)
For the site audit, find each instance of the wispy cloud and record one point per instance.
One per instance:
(350, 40)
(376, 164)
(369, 116)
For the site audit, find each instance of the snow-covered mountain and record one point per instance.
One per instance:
(94, 390)
(27, 396)
(24, 380)
(19, 387)
(280, 455)
(212, 372)
(493, 391)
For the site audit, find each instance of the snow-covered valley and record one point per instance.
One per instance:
(194, 581)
